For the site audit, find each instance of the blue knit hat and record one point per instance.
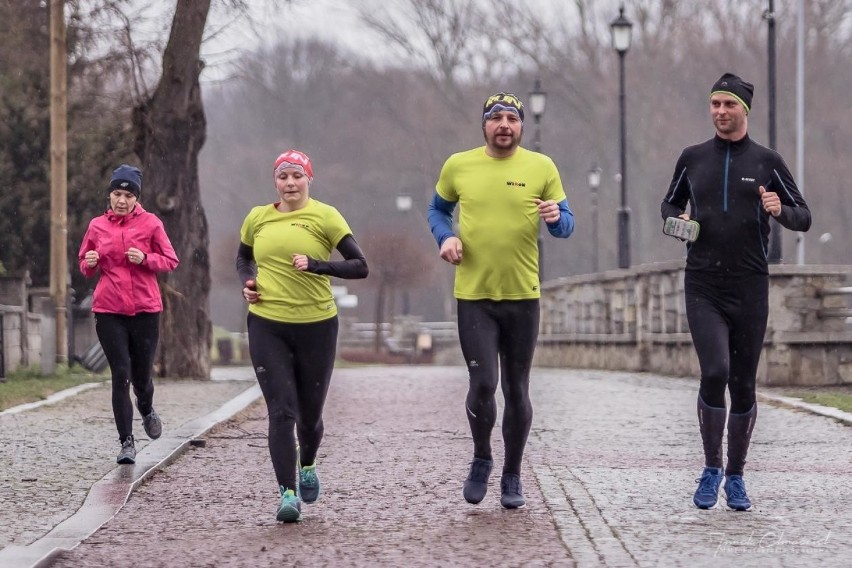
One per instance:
(128, 178)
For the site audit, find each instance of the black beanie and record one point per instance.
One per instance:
(730, 84)
(128, 178)
(502, 101)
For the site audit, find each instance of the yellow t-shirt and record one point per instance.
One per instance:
(498, 220)
(287, 294)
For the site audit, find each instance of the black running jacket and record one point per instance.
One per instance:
(720, 180)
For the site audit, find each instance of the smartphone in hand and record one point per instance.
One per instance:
(682, 229)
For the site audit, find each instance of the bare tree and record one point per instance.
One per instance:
(170, 130)
(440, 34)
(397, 262)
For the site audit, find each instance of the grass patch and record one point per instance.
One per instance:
(26, 385)
(839, 400)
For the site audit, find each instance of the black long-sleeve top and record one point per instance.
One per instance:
(720, 181)
(353, 265)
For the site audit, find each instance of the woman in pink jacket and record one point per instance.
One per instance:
(127, 246)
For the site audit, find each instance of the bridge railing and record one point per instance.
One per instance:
(635, 319)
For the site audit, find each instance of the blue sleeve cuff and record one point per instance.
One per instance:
(565, 225)
(440, 218)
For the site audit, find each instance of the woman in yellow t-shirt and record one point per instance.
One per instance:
(283, 264)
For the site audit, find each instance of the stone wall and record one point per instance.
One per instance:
(635, 320)
(20, 328)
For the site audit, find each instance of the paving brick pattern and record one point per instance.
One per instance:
(609, 476)
(50, 456)
(616, 455)
(395, 454)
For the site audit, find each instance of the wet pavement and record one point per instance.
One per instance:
(609, 475)
(55, 457)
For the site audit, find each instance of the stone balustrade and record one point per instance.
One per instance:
(635, 319)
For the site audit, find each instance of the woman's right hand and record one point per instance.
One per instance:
(250, 292)
(91, 257)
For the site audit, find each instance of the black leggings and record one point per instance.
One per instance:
(129, 343)
(293, 364)
(508, 329)
(727, 320)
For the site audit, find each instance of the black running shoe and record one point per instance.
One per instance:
(511, 491)
(476, 484)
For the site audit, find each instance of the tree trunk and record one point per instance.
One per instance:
(170, 130)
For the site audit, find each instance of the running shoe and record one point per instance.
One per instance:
(309, 483)
(476, 484)
(289, 508)
(707, 494)
(735, 493)
(511, 491)
(153, 425)
(127, 455)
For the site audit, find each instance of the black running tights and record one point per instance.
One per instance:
(129, 343)
(488, 331)
(293, 364)
(727, 319)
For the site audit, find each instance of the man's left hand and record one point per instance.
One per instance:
(547, 210)
(771, 202)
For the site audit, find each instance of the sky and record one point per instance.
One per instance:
(331, 20)
(335, 21)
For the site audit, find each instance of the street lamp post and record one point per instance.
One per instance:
(594, 178)
(537, 102)
(621, 34)
(774, 253)
(403, 205)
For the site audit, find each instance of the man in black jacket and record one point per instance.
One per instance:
(732, 185)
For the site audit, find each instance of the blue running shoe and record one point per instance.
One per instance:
(476, 484)
(707, 494)
(309, 483)
(735, 493)
(290, 507)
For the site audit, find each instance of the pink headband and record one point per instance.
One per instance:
(294, 159)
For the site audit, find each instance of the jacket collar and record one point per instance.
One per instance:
(113, 218)
(735, 147)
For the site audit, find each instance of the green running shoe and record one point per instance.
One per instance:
(309, 483)
(290, 507)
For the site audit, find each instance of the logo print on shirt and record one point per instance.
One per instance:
(516, 183)
(302, 225)
(747, 179)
